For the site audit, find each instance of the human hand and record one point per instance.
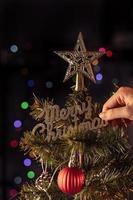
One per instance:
(120, 105)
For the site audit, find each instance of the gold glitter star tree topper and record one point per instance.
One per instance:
(80, 62)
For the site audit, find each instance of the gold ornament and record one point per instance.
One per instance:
(54, 114)
(80, 63)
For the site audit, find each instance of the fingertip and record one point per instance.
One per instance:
(102, 115)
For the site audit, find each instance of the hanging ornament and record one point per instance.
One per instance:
(43, 181)
(70, 180)
(44, 178)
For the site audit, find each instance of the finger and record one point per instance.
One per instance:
(115, 113)
(114, 101)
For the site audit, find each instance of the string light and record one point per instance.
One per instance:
(14, 48)
(24, 105)
(17, 123)
(27, 162)
(30, 174)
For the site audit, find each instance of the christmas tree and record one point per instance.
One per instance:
(82, 157)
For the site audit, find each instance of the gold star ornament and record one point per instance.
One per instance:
(80, 62)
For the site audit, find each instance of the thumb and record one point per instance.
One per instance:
(115, 113)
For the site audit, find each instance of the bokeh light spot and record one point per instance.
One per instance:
(14, 48)
(102, 49)
(24, 105)
(27, 162)
(17, 180)
(13, 143)
(99, 77)
(109, 53)
(12, 192)
(31, 174)
(17, 123)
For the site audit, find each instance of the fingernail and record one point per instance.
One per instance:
(102, 115)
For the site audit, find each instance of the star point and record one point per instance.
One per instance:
(80, 63)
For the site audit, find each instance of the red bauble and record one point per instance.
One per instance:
(70, 180)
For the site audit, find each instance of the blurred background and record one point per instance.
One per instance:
(30, 31)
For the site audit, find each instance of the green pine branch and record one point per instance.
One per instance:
(105, 154)
(38, 148)
(30, 192)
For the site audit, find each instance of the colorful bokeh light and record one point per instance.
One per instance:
(27, 162)
(14, 48)
(17, 124)
(13, 143)
(24, 105)
(99, 77)
(109, 53)
(12, 192)
(102, 49)
(30, 174)
(17, 180)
